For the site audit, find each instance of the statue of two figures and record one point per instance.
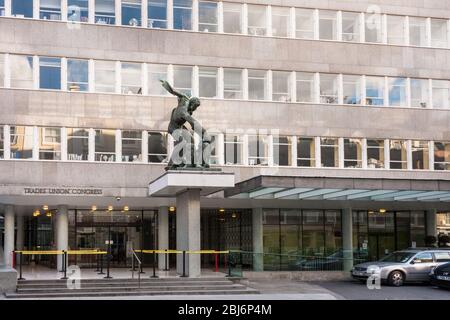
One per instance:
(189, 151)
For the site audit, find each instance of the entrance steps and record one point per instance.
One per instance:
(32, 289)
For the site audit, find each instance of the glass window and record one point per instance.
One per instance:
(131, 78)
(396, 30)
(352, 89)
(257, 20)
(281, 86)
(232, 79)
(211, 151)
(420, 155)
(50, 9)
(313, 233)
(22, 8)
(305, 87)
(306, 152)
(77, 75)
(49, 143)
(78, 10)
(232, 17)
(327, 25)
(157, 14)
(374, 91)
(375, 154)
(157, 147)
(207, 82)
(258, 150)
(156, 72)
(352, 153)
(131, 13)
(442, 156)
(350, 26)
(328, 88)
(2, 8)
(105, 76)
(373, 28)
(256, 84)
(329, 149)
(2, 70)
(2, 144)
(282, 151)
(50, 73)
(398, 154)
(271, 239)
(77, 144)
(105, 145)
(418, 32)
(439, 33)
(182, 14)
(441, 96)
(183, 79)
(304, 22)
(22, 140)
(21, 71)
(280, 22)
(418, 228)
(333, 233)
(105, 12)
(207, 16)
(397, 92)
(419, 93)
(233, 149)
(131, 146)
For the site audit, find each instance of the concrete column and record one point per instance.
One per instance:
(163, 234)
(431, 224)
(188, 231)
(257, 237)
(20, 233)
(62, 231)
(347, 238)
(8, 246)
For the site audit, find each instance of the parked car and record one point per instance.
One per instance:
(410, 265)
(335, 261)
(440, 276)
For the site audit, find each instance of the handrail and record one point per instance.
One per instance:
(132, 267)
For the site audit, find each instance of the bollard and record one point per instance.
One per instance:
(184, 264)
(101, 265)
(165, 261)
(20, 267)
(154, 265)
(107, 266)
(97, 269)
(13, 262)
(64, 260)
(217, 262)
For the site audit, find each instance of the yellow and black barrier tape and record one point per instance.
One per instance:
(187, 251)
(85, 252)
(30, 252)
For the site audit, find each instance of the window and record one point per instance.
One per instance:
(183, 79)
(375, 154)
(304, 21)
(50, 9)
(156, 72)
(131, 78)
(50, 73)
(157, 14)
(306, 152)
(396, 30)
(329, 88)
(157, 147)
(352, 89)
(257, 20)
(350, 26)
(211, 152)
(2, 70)
(232, 17)
(442, 256)
(233, 149)
(77, 75)
(398, 154)
(105, 76)
(352, 153)
(424, 257)
(282, 151)
(419, 93)
(182, 14)
(2, 144)
(207, 82)
(258, 150)
(280, 22)
(420, 155)
(373, 28)
(374, 91)
(105, 145)
(232, 79)
(327, 25)
(22, 8)
(439, 33)
(256, 84)
(442, 156)
(131, 13)
(77, 144)
(105, 12)
(441, 94)
(313, 233)
(281, 86)
(21, 71)
(2, 8)
(49, 143)
(418, 32)
(207, 16)
(305, 87)
(78, 10)
(131, 146)
(22, 140)
(333, 233)
(329, 149)
(397, 92)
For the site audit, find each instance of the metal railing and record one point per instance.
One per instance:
(134, 256)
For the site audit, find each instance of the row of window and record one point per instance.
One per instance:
(76, 144)
(236, 18)
(101, 76)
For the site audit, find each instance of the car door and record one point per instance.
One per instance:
(420, 266)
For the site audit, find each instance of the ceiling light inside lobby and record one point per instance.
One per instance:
(172, 209)
(94, 208)
(126, 208)
(36, 213)
(45, 207)
(382, 210)
(110, 208)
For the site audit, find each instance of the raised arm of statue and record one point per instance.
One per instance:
(169, 88)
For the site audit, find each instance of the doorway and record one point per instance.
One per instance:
(380, 245)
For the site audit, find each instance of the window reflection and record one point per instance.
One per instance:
(420, 155)
(2, 8)
(157, 14)
(439, 33)
(305, 87)
(208, 82)
(21, 71)
(207, 16)
(282, 151)
(2, 70)
(232, 79)
(105, 145)
(49, 143)
(352, 89)
(2, 144)
(374, 91)
(280, 22)
(131, 146)
(22, 8)
(105, 12)
(50, 73)
(442, 156)
(182, 14)
(183, 79)
(257, 20)
(350, 26)
(50, 9)
(258, 150)
(232, 17)
(22, 140)
(327, 25)
(398, 154)
(281, 82)
(418, 31)
(397, 92)
(375, 154)
(77, 144)
(352, 153)
(373, 29)
(77, 75)
(441, 94)
(156, 72)
(78, 10)
(131, 13)
(233, 149)
(105, 76)
(157, 147)
(256, 84)
(306, 152)
(131, 78)
(304, 21)
(329, 88)
(396, 29)
(329, 149)
(419, 93)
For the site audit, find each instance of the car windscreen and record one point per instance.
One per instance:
(401, 257)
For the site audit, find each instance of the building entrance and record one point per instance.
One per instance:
(380, 245)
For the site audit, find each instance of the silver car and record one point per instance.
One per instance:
(411, 265)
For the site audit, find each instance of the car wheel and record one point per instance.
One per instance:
(396, 278)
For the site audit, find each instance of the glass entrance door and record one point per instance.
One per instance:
(380, 245)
